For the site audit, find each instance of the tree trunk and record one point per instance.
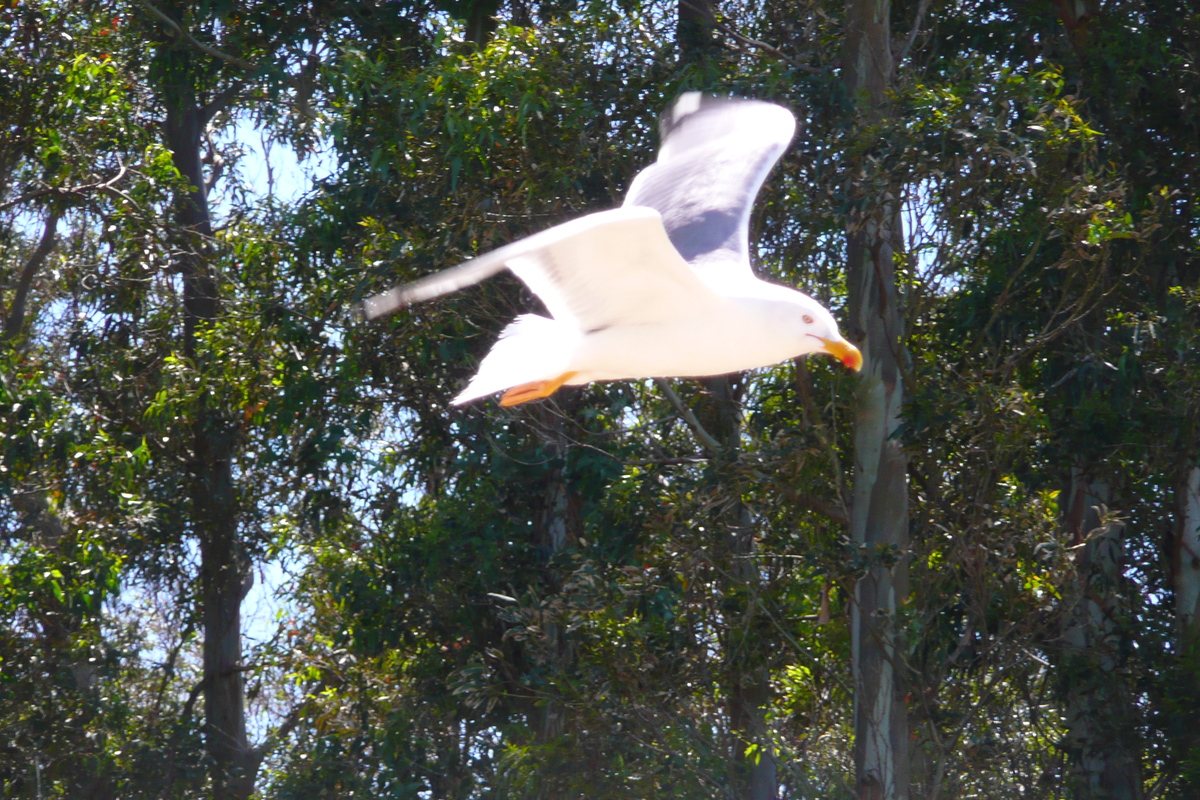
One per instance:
(1101, 734)
(223, 571)
(879, 516)
(1185, 581)
(1185, 566)
(747, 680)
(747, 683)
(694, 29)
(557, 526)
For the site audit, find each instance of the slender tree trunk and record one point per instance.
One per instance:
(557, 526)
(223, 569)
(747, 679)
(694, 29)
(1101, 736)
(481, 22)
(879, 516)
(747, 683)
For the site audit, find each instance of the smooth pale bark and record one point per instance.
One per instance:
(223, 570)
(1101, 734)
(879, 516)
(1186, 563)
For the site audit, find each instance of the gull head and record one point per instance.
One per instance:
(814, 330)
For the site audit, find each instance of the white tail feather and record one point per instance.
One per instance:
(531, 348)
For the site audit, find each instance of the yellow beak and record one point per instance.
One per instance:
(843, 351)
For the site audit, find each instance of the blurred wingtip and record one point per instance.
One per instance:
(383, 303)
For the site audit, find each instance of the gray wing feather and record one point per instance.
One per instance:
(466, 274)
(715, 155)
(611, 267)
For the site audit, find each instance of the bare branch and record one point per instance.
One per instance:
(15, 319)
(277, 736)
(922, 7)
(72, 192)
(728, 30)
(212, 51)
(219, 103)
(706, 438)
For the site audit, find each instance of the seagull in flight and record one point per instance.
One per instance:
(660, 287)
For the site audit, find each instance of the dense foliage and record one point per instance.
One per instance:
(638, 589)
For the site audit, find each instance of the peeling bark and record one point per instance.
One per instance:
(879, 515)
(1101, 735)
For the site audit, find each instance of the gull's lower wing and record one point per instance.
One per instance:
(610, 267)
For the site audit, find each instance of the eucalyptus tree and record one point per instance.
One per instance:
(633, 589)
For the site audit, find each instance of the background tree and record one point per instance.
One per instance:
(636, 589)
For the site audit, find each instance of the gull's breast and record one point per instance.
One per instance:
(739, 334)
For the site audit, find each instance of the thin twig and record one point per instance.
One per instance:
(766, 48)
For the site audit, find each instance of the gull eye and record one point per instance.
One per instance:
(808, 320)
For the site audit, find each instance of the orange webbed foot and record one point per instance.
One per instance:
(535, 390)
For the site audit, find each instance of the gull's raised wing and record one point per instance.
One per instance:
(716, 153)
(610, 268)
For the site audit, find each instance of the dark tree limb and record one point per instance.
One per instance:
(15, 319)
(914, 32)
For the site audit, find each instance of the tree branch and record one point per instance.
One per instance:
(222, 99)
(922, 7)
(706, 438)
(15, 319)
(276, 737)
(212, 51)
(728, 30)
(72, 192)
(39, 516)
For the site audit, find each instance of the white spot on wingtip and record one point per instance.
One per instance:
(688, 103)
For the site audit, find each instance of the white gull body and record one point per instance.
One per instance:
(661, 287)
